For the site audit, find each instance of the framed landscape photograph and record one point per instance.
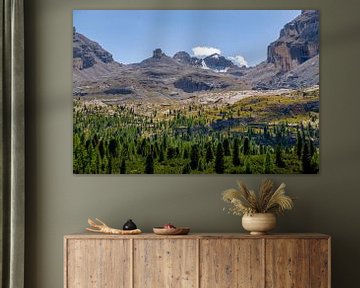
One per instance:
(196, 92)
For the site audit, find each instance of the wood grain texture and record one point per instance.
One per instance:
(98, 264)
(319, 263)
(287, 263)
(197, 260)
(166, 263)
(231, 263)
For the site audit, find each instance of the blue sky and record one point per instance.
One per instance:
(132, 35)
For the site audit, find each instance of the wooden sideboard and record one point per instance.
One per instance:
(197, 260)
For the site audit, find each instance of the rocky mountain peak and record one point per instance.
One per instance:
(159, 59)
(184, 58)
(157, 53)
(87, 53)
(217, 62)
(298, 42)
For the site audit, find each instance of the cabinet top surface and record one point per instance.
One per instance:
(86, 235)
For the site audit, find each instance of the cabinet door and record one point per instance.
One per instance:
(165, 263)
(287, 263)
(98, 263)
(231, 263)
(320, 263)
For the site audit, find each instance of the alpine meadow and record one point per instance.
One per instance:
(196, 92)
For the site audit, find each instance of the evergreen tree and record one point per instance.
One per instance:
(186, 169)
(149, 164)
(278, 157)
(201, 166)
(236, 156)
(299, 144)
(143, 147)
(219, 159)
(161, 155)
(95, 140)
(186, 153)
(315, 163)
(170, 153)
(261, 149)
(101, 149)
(226, 146)
(266, 132)
(104, 165)
(194, 157)
(306, 159)
(246, 148)
(248, 167)
(312, 148)
(113, 145)
(94, 164)
(109, 166)
(123, 167)
(209, 153)
(267, 164)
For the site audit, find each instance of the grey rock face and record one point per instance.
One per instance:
(298, 42)
(218, 62)
(120, 90)
(86, 52)
(185, 58)
(189, 85)
(157, 53)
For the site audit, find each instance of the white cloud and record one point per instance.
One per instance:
(238, 60)
(203, 51)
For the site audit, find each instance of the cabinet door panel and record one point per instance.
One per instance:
(287, 263)
(231, 263)
(166, 263)
(98, 264)
(319, 263)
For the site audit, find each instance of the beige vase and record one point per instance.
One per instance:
(259, 223)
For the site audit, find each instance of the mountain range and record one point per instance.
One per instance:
(292, 62)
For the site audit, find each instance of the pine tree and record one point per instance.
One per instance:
(186, 153)
(312, 148)
(246, 148)
(201, 165)
(226, 146)
(315, 163)
(267, 164)
(299, 144)
(209, 153)
(149, 164)
(306, 160)
(161, 155)
(261, 149)
(278, 157)
(101, 149)
(170, 153)
(248, 167)
(123, 167)
(236, 156)
(219, 159)
(186, 169)
(94, 162)
(266, 132)
(113, 145)
(194, 157)
(104, 165)
(109, 166)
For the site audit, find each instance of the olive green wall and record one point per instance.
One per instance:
(59, 202)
